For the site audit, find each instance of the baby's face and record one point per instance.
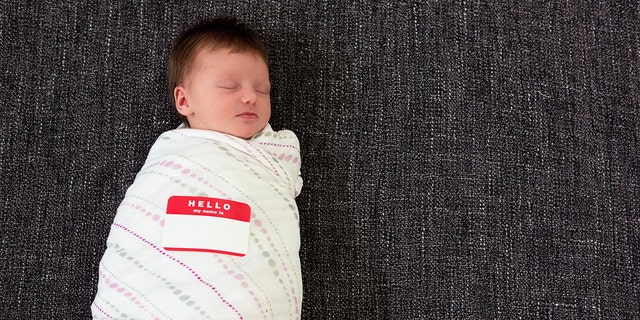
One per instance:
(226, 92)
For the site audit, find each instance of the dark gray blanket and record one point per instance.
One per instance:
(462, 159)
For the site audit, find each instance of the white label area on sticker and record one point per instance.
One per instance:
(204, 224)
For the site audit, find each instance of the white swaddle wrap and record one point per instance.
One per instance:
(139, 279)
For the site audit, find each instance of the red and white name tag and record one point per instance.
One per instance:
(206, 225)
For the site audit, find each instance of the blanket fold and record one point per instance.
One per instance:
(140, 279)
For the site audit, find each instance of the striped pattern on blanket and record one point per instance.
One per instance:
(139, 279)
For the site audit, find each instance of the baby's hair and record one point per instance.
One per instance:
(212, 34)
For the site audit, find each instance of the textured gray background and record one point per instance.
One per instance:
(462, 159)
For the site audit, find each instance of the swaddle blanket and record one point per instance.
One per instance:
(140, 279)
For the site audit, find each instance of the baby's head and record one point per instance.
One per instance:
(219, 78)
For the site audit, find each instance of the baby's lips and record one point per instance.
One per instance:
(247, 115)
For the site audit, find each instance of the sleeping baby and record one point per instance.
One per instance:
(209, 229)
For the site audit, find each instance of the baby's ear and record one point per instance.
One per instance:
(182, 104)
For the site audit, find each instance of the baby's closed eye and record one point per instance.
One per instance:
(229, 85)
(263, 90)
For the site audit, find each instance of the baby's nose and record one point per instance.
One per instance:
(249, 96)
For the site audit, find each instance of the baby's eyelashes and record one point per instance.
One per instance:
(228, 87)
(227, 84)
(232, 86)
(263, 90)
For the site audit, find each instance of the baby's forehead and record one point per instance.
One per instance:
(213, 48)
(217, 56)
(226, 62)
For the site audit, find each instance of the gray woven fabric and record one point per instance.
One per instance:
(462, 159)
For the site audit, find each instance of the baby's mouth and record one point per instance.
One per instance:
(247, 115)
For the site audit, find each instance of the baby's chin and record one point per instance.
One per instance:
(239, 133)
(247, 135)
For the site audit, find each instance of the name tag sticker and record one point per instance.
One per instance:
(203, 224)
